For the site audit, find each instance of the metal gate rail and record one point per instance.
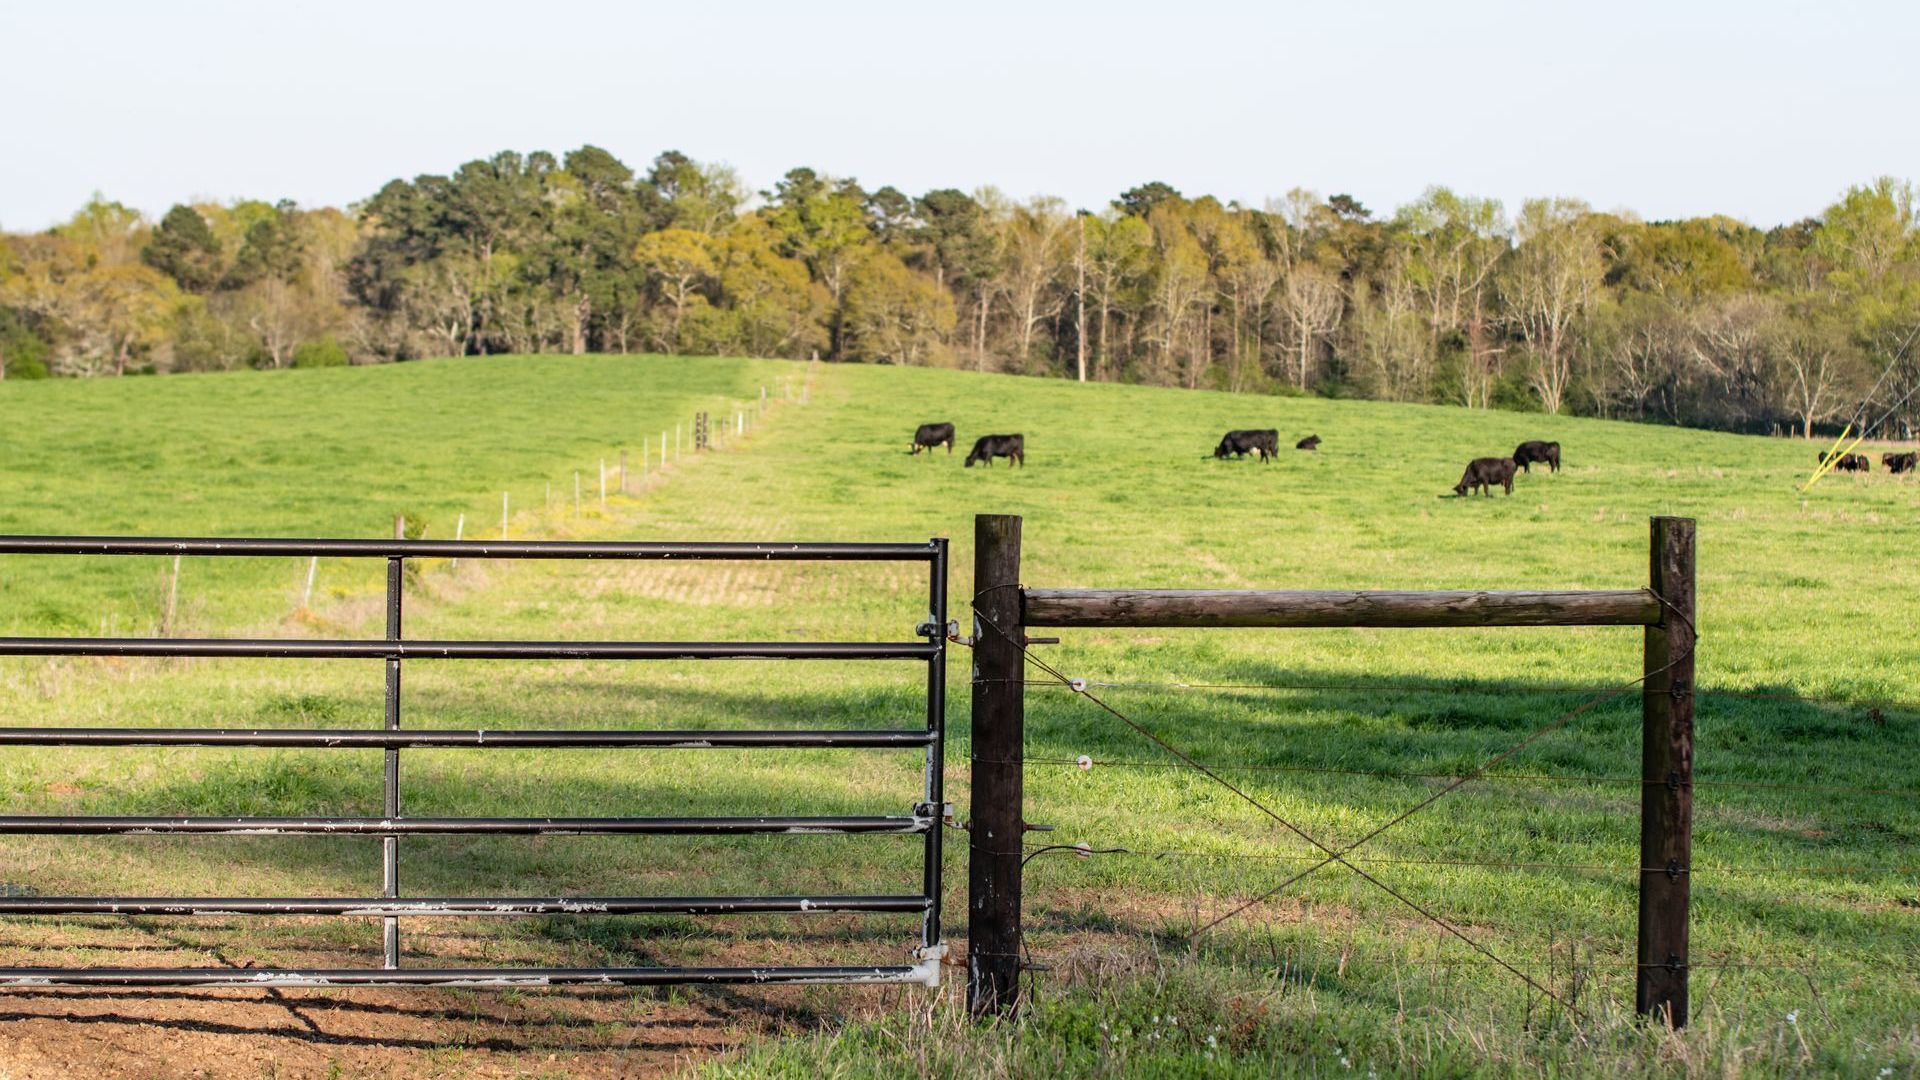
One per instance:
(924, 819)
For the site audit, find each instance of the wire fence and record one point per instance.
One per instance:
(1325, 853)
(1485, 690)
(1088, 763)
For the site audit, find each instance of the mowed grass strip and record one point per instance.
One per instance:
(1798, 595)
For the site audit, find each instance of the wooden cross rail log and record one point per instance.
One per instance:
(1004, 611)
(1309, 608)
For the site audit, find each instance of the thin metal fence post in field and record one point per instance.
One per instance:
(168, 618)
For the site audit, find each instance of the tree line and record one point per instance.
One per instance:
(1556, 307)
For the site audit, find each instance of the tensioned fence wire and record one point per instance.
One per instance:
(1333, 855)
(1453, 781)
(1467, 687)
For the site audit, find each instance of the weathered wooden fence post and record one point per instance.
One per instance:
(1666, 771)
(999, 729)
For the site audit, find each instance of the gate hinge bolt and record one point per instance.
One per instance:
(1673, 870)
(1030, 827)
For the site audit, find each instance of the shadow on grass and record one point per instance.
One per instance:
(1326, 720)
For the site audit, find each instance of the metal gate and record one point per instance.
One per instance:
(925, 818)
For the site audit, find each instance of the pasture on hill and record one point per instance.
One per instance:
(1806, 829)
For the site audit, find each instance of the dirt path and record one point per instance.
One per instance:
(164, 1034)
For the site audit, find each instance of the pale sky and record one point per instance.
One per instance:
(1761, 109)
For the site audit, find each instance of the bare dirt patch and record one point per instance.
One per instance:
(386, 1033)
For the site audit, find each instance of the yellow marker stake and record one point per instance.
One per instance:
(1832, 458)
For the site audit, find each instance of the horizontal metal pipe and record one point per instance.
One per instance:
(380, 648)
(431, 737)
(1310, 608)
(460, 549)
(479, 978)
(68, 825)
(458, 905)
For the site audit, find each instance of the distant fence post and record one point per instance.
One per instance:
(999, 720)
(1666, 771)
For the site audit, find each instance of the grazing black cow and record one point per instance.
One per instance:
(1848, 463)
(1547, 453)
(1260, 443)
(1485, 472)
(928, 436)
(1900, 463)
(988, 447)
(1311, 442)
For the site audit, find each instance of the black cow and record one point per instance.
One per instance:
(1311, 442)
(928, 436)
(1485, 472)
(1260, 443)
(1900, 463)
(1547, 453)
(988, 447)
(1848, 463)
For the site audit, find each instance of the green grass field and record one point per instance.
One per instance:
(1802, 969)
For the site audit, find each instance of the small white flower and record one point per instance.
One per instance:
(1888, 1071)
(1793, 1017)
(1156, 1018)
(1213, 1040)
(1172, 1019)
(1085, 763)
